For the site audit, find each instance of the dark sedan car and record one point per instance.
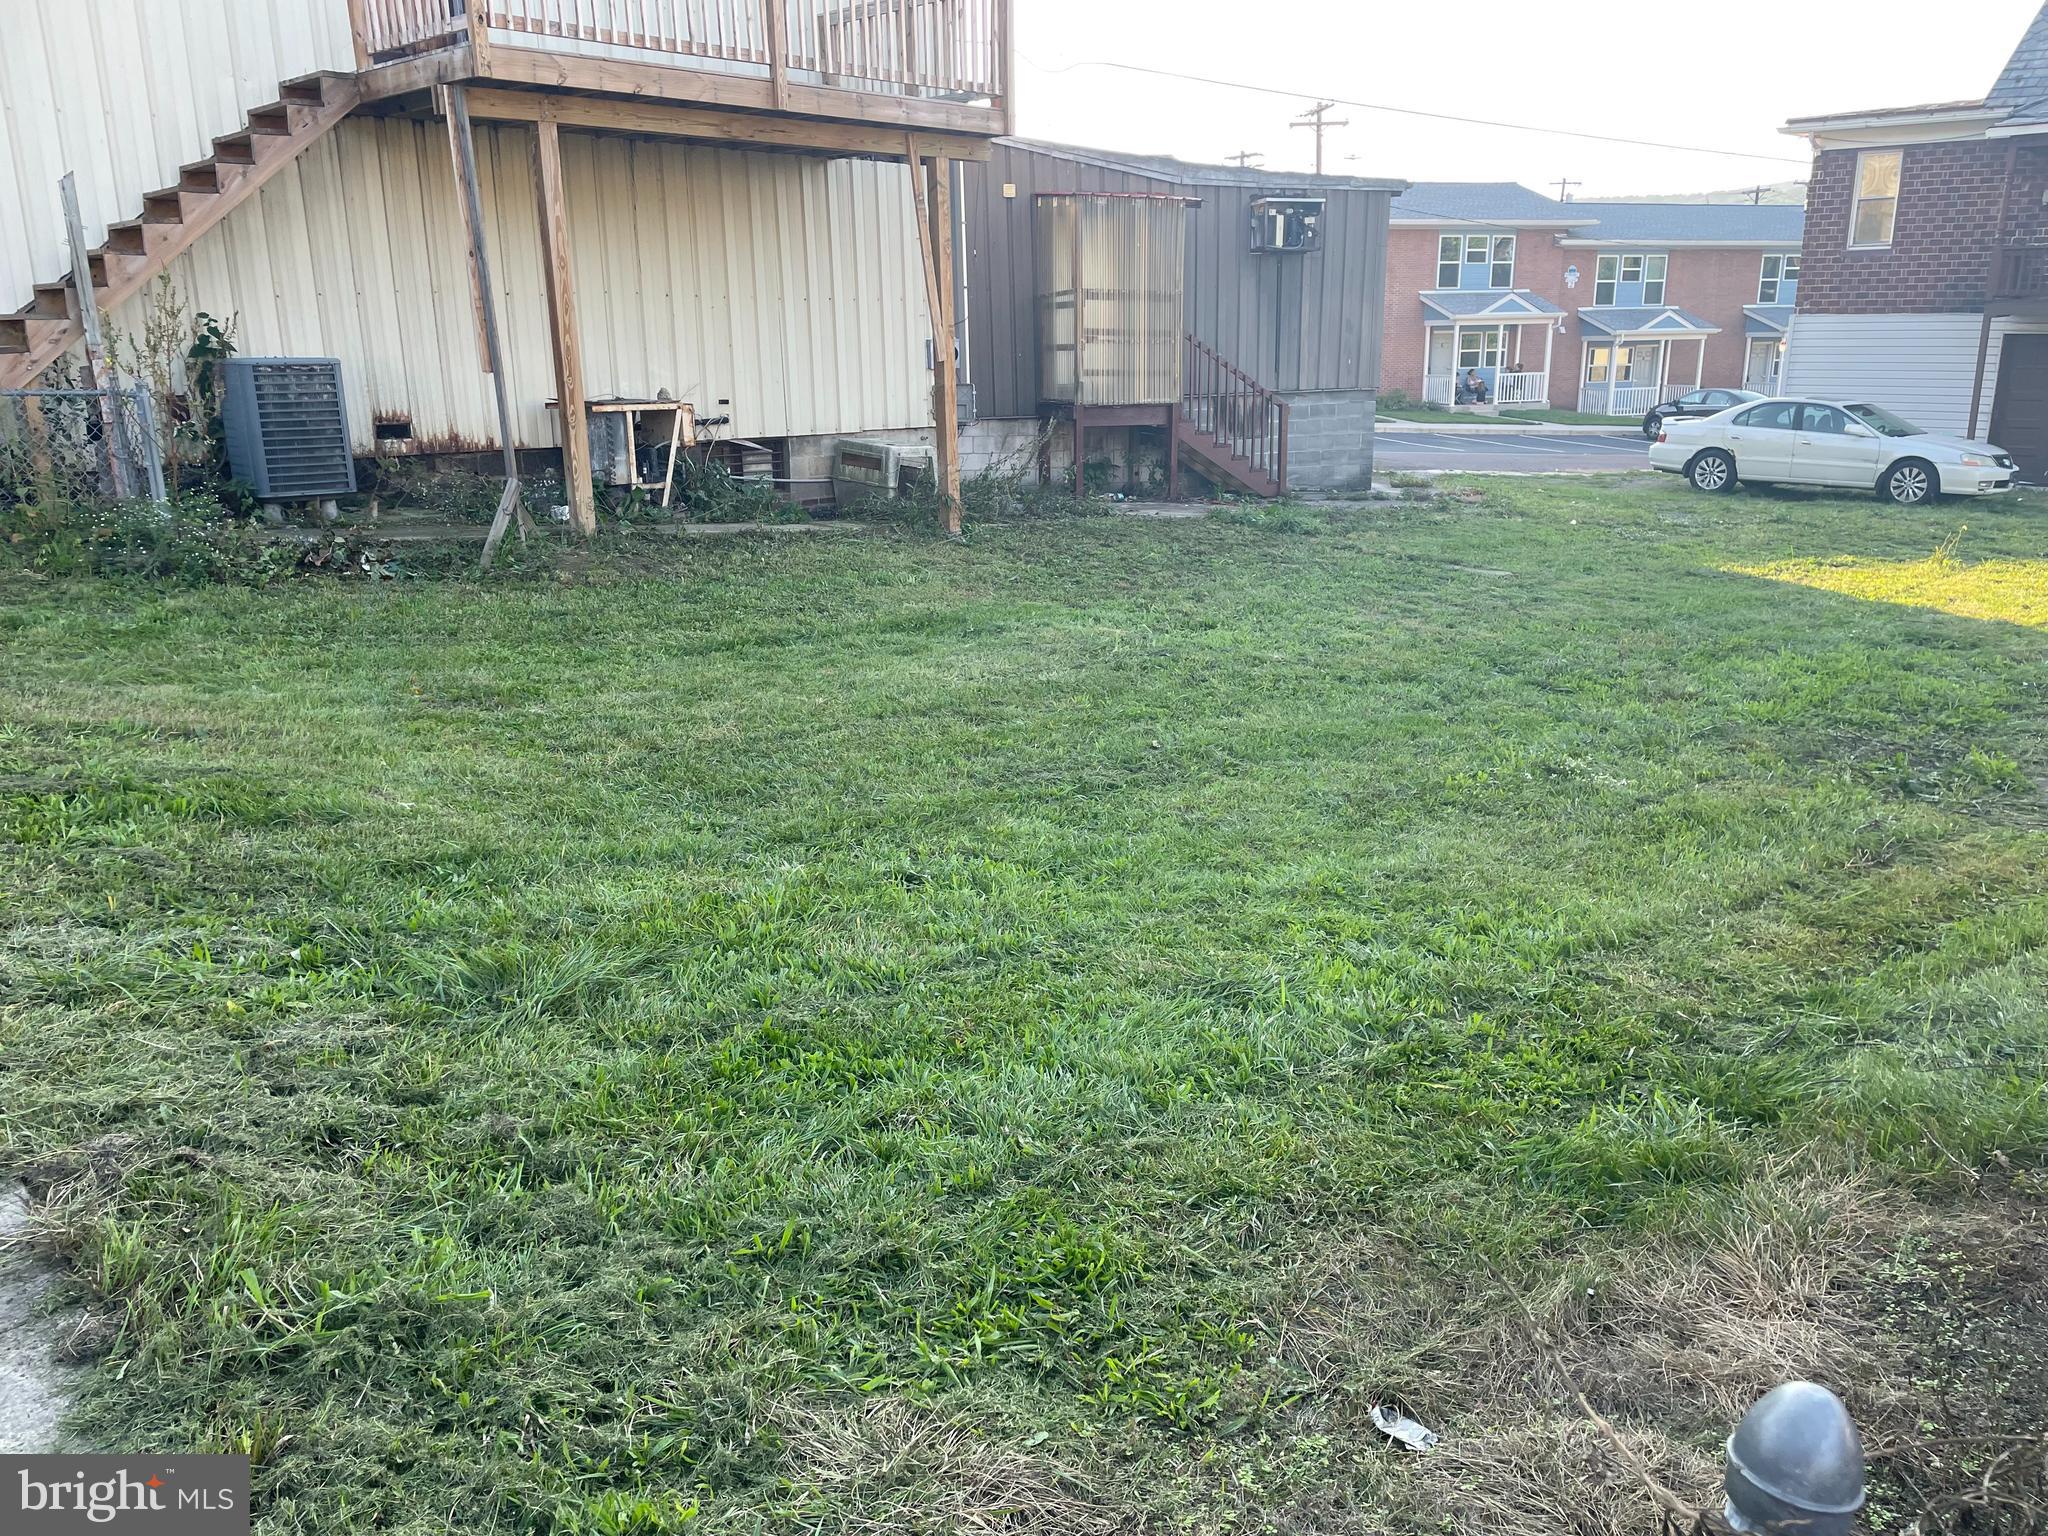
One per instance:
(1701, 402)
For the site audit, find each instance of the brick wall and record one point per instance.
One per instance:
(1940, 253)
(1411, 268)
(1714, 285)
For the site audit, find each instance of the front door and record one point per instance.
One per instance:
(1762, 438)
(1442, 357)
(1832, 450)
(1762, 373)
(2019, 419)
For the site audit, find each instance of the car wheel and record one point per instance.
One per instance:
(1712, 471)
(1652, 425)
(1910, 483)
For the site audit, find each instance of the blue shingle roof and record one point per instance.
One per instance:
(1766, 319)
(1478, 202)
(2023, 89)
(1742, 223)
(1513, 304)
(1645, 319)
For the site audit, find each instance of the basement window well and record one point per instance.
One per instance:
(1287, 224)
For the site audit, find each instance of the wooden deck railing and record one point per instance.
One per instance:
(1240, 414)
(954, 49)
(391, 29)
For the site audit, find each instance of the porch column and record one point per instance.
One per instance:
(1549, 344)
(1613, 369)
(1457, 355)
(1699, 374)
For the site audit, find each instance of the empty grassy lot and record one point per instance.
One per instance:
(865, 1034)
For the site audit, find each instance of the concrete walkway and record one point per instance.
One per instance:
(35, 1390)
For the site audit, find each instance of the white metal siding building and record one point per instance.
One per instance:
(782, 290)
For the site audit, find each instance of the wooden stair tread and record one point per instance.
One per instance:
(137, 250)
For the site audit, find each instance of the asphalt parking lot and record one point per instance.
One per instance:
(1528, 453)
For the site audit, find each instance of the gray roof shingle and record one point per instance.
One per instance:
(1480, 301)
(2023, 89)
(1478, 202)
(1620, 321)
(1742, 223)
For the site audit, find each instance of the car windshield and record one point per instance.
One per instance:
(1883, 422)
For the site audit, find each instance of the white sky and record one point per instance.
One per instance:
(1720, 73)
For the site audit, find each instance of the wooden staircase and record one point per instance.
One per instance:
(138, 251)
(1231, 426)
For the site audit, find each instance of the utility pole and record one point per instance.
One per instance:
(1315, 118)
(1244, 157)
(1564, 189)
(1756, 196)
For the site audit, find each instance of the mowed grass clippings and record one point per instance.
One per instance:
(1038, 1034)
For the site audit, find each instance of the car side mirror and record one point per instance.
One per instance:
(1857, 429)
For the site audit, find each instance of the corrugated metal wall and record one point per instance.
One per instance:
(789, 287)
(1294, 322)
(122, 93)
(1111, 334)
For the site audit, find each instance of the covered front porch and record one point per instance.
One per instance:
(1635, 358)
(1764, 328)
(1505, 338)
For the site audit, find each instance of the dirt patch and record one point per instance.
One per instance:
(36, 1386)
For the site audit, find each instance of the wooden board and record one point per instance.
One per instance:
(656, 119)
(561, 293)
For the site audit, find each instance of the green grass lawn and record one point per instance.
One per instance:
(1038, 1034)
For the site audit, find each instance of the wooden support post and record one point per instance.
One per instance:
(359, 29)
(462, 141)
(946, 339)
(111, 434)
(935, 241)
(1173, 451)
(445, 98)
(480, 37)
(561, 290)
(778, 51)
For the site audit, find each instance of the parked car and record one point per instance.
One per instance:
(1701, 402)
(1818, 442)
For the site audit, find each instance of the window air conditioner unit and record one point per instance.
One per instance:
(1287, 224)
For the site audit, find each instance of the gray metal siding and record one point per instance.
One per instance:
(1295, 323)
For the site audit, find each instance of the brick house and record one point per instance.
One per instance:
(1608, 307)
(1925, 283)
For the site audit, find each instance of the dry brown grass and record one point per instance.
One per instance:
(883, 1467)
(1801, 1275)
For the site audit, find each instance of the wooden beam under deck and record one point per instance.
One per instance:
(660, 82)
(658, 119)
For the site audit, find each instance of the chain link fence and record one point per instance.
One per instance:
(72, 447)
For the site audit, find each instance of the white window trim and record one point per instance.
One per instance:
(1441, 263)
(1856, 200)
(1784, 259)
(1663, 283)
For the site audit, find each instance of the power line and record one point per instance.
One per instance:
(1314, 118)
(1440, 117)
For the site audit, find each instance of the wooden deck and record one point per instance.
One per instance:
(930, 65)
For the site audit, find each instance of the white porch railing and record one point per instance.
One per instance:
(1626, 399)
(1507, 389)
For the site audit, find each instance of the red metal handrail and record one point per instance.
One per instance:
(1241, 415)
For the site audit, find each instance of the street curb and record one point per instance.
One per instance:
(1623, 426)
